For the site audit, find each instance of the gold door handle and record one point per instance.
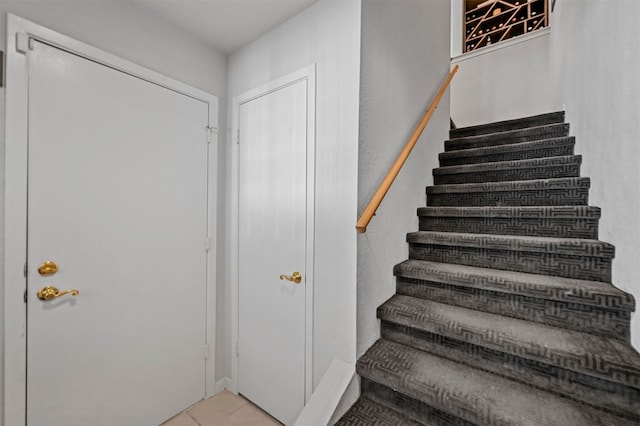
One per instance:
(296, 277)
(48, 268)
(50, 293)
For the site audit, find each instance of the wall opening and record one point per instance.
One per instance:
(493, 21)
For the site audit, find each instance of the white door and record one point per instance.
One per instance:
(272, 242)
(118, 200)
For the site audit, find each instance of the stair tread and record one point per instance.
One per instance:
(368, 413)
(506, 135)
(469, 393)
(515, 185)
(522, 146)
(547, 118)
(567, 246)
(571, 212)
(508, 165)
(592, 293)
(584, 353)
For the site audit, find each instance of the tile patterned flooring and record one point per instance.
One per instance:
(223, 409)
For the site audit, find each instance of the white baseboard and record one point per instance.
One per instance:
(222, 384)
(349, 397)
(328, 395)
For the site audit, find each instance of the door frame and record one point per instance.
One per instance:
(309, 74)
(19, 33)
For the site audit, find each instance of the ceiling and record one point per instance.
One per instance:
(226, 25)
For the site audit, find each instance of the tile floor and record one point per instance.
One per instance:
(223, 409)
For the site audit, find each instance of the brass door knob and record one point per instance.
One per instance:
(296, 277)
(50, 293)
(48, 268)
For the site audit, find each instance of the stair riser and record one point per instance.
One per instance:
(573, 316)
(408, 406)
(366, 412)
(556, 151)
(516, 174)
(603, 394)
(520, 136)
(556, 197)
(541, 120)
(560, 265)
(541, 227)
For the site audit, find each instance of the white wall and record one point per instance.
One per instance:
(124, 30)
(328, 34)
(507, 80)
(595, 69)
(404, 59)
(457, 20)
(502, 81)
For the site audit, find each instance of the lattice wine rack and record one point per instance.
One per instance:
(494, 21)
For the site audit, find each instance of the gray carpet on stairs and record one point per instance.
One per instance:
(537, 192)
(504, 313)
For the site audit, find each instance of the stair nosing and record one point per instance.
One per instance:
(521, 280)
(498, 149)
(507, 165)
(528, 350)
(514, 121)
(518, 212)
(519, 243)
(508, 133)
(511, 185)
(461, 394)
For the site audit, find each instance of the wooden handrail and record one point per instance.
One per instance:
(373, 205)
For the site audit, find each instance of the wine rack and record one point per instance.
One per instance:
(497, 20)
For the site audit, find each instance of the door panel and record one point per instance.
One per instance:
(118, 199)
(272, 240)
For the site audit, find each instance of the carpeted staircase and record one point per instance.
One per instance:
(504, 313)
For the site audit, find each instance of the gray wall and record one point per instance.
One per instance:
(595, 69)
(404, 59)
(125, 30)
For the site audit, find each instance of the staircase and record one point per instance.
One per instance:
(504, 313)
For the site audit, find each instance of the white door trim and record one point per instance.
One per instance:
(19, 31)
(309, 74)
